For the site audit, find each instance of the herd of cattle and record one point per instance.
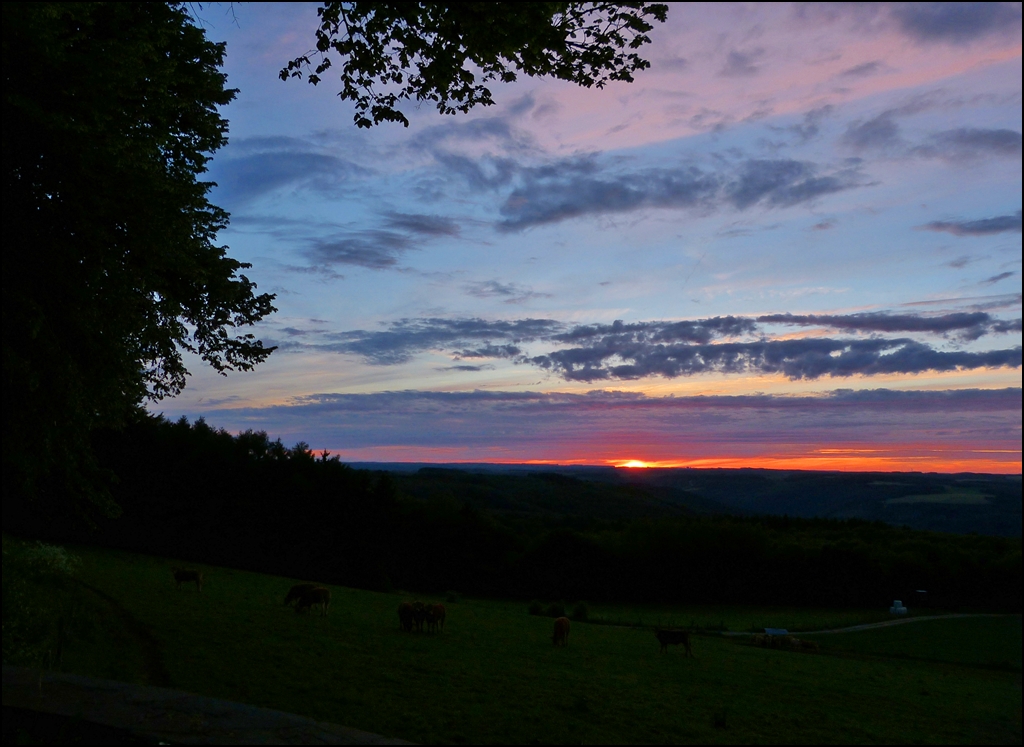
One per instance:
(783, 641)
(415, 615)
(418, 615)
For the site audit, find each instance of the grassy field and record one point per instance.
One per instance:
(981, 642)
(734, 618)
(952, 496)
(493, 675)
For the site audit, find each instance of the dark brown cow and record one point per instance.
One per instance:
(419, 615)
(434, 615)
(317, 595)
(295, 593)
(187, 575)
(673, 637)
(406, 616)
(561, 635)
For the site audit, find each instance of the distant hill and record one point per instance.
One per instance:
(961, 503)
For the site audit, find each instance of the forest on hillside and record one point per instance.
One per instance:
(199, 494)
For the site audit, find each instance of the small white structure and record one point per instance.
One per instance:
(897, 608)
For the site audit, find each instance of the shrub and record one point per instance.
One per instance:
(452, 597)
(580, 612)
(535, 608)
(41, 610)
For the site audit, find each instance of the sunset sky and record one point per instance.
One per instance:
(794, 241)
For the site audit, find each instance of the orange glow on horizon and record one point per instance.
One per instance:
(834, 459)
(828, 462)
(633, 464)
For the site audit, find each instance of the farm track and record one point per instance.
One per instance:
(152, 656)
(883, 624)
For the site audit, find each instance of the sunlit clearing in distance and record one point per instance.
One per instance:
(633, 464)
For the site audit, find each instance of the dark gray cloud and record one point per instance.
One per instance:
(980, 400)
(956, 22)
(862, 70)
(619, 350)
(467, 367)
(617, 333)
(967, 143)
(811, 125)
(425, 225)
(469, 337)
(967, 325)
(741, 64)
(996, 278)
(497, 130)
(268, 164)
(574, 188)
(487, 173)
(981, 227)
(1006, 326)
(880, 132)
(782, 183)
(961, 262)
(511, 293)
(376, 250)
(997, 302)
(533, 425)
(795, 359)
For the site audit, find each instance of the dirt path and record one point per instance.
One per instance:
(883, 624)
(152, 656)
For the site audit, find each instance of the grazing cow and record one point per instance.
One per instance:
(672, 637)
(317, 595)
(187, 575)
(434, 615)
(809, 645)
(439, 615)
(406, 616)
(296, 592)
(419, 615)
(561, 635)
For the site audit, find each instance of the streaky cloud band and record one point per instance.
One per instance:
(671, 349)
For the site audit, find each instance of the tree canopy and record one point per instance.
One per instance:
(111, 268)
(429, 51)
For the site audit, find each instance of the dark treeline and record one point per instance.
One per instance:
(189, 491)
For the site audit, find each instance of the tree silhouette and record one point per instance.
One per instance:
(110, 268)
(436, 51)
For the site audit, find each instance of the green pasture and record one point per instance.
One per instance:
(985, 642)
(713, 618)
(952, 496)
(494, 676)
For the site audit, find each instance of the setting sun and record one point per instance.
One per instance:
(634, 464)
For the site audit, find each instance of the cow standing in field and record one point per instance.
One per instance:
(317, 595)
(419, 615)
(439, 614)
(295, 593)
(406, 617)
(435, 614)
(187, 575)
(561, 635)
(673, 637)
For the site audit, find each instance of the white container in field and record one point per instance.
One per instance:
(897, 608)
